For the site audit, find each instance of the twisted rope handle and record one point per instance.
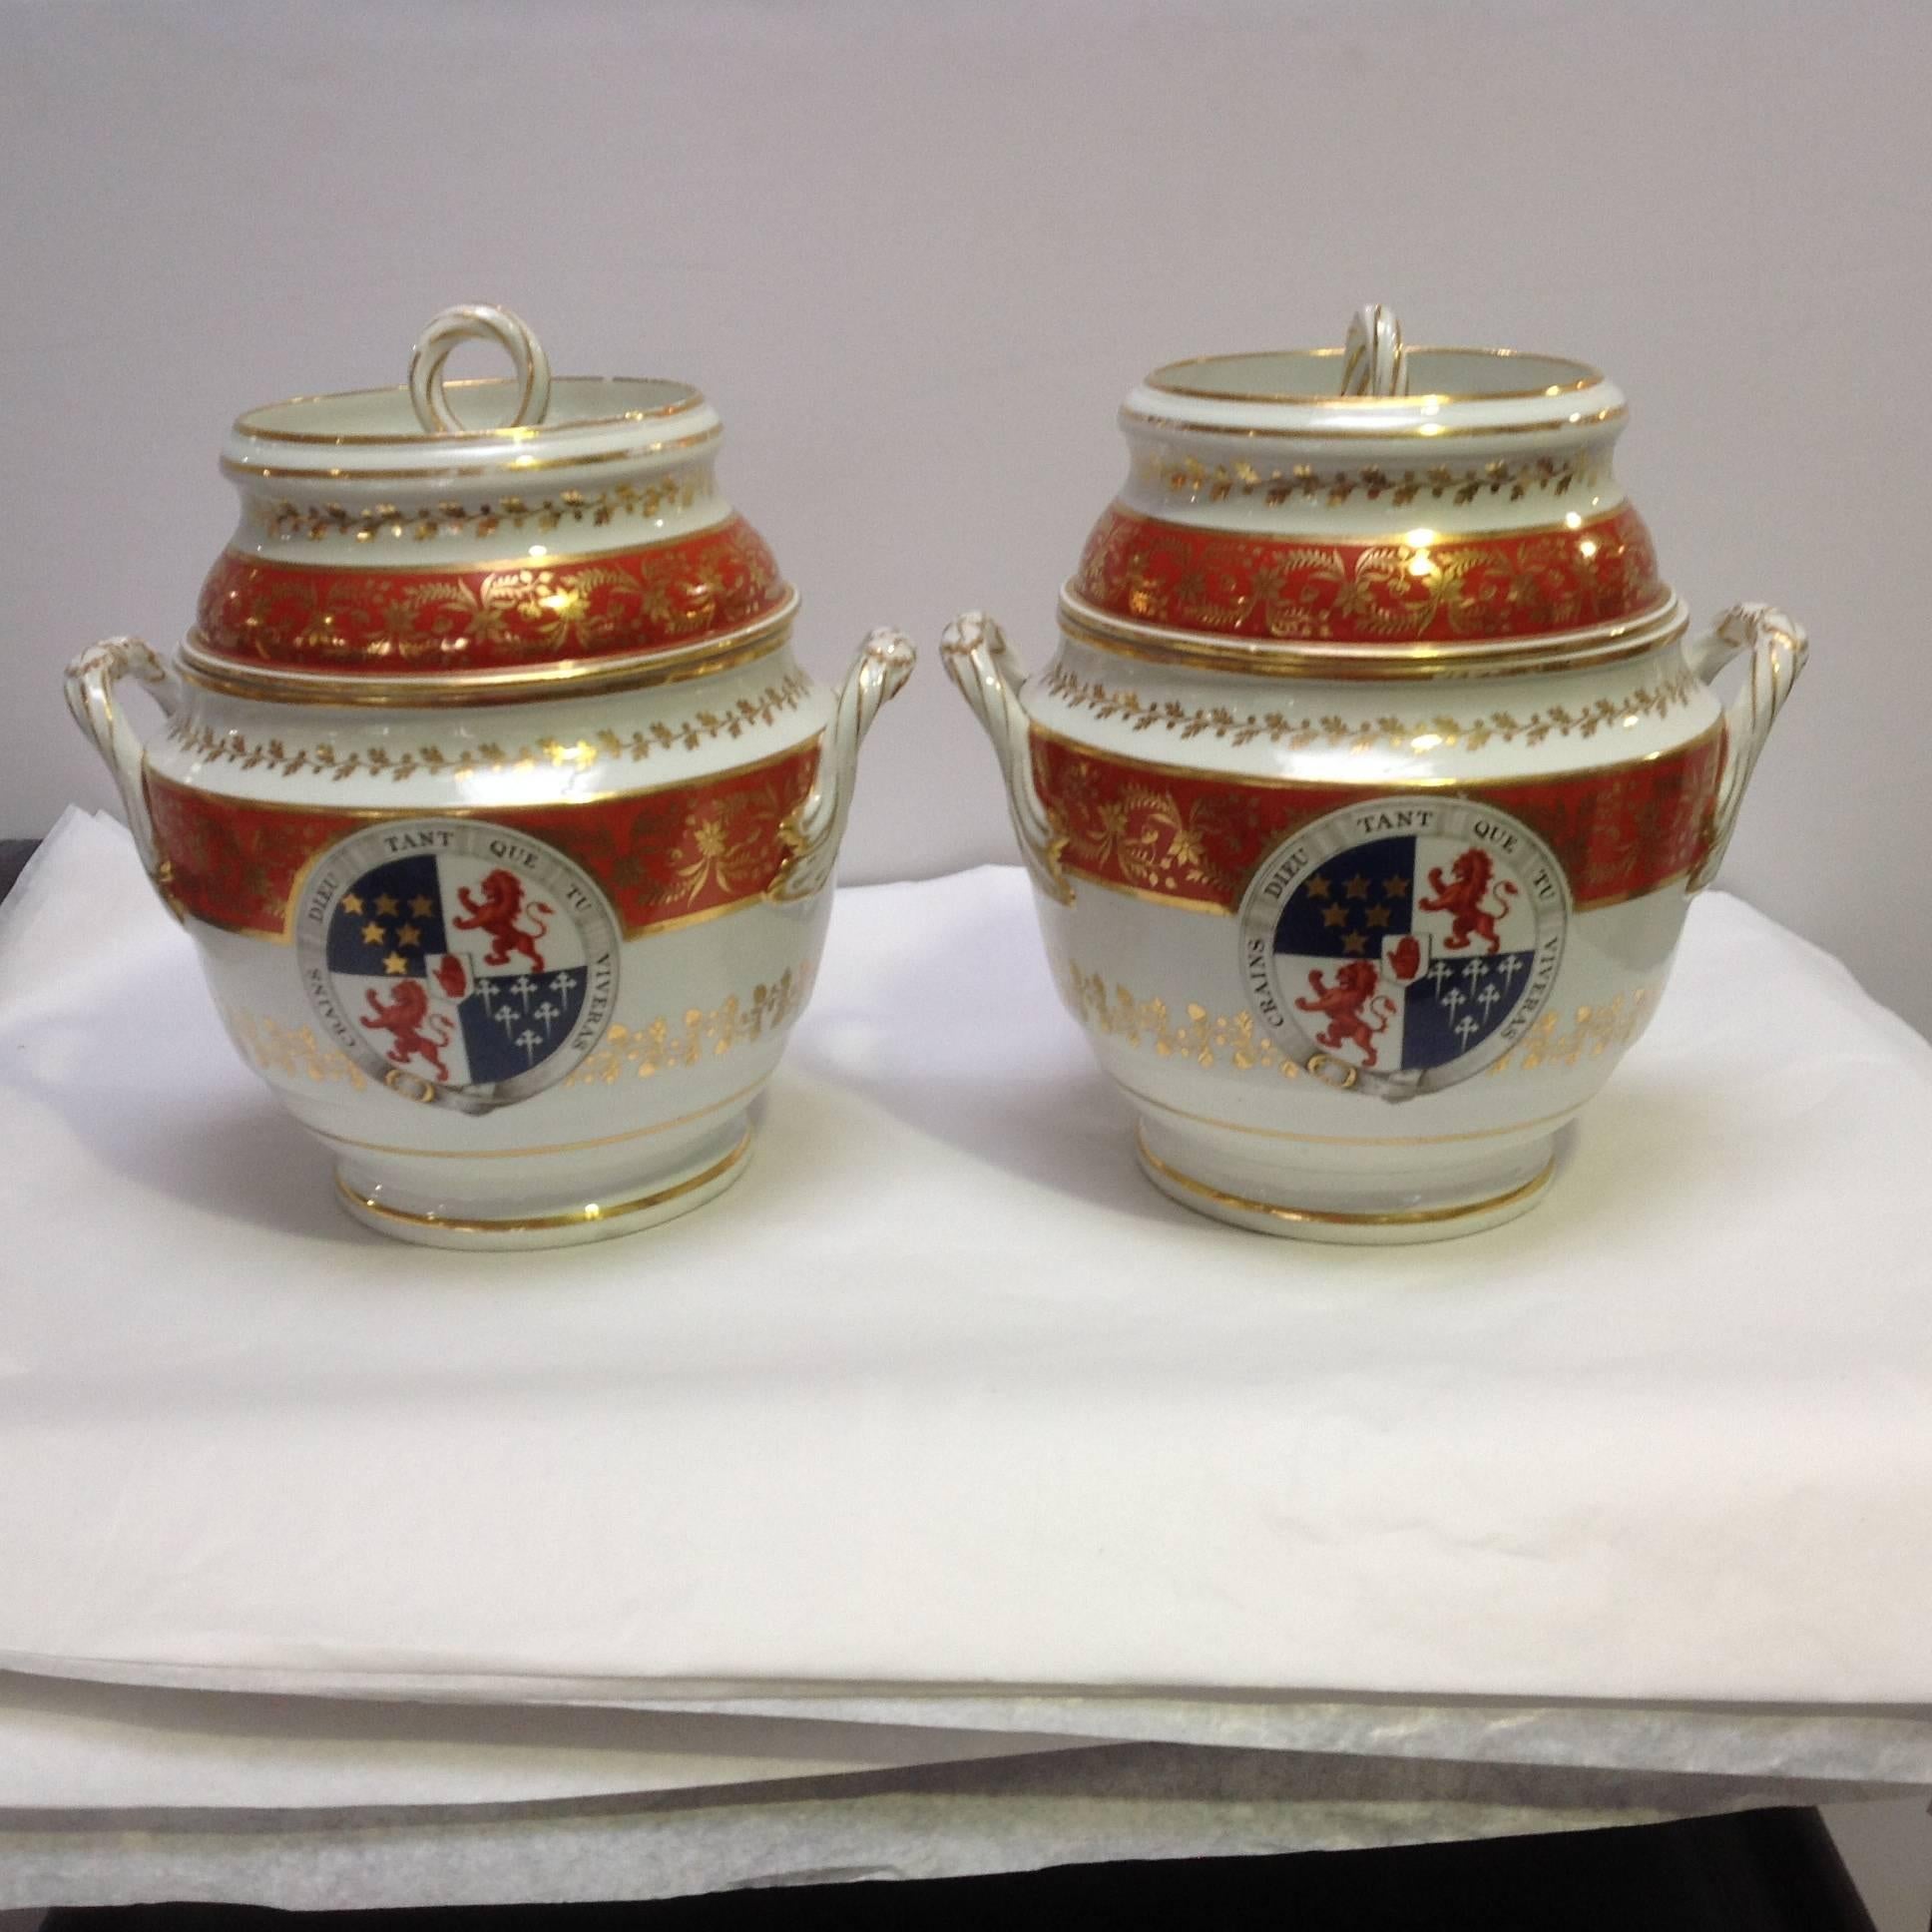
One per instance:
(89, 690)
(814, 830)
(1375, 362)
(981, 663)
(1778, 649)
(477, 323)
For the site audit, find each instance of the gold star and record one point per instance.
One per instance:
(372, 934)
(1335, 915)
(422, 906)
(1317, 887)
(1354, 942)
(1377, 915)
(412, 935)
(351, 904)
(1395, 887)
(395, 963)
(385, 904)
(1356, 889)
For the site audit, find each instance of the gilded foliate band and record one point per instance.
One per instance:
(666, 856)
(384, 620)
(1412, 587)
(274, 755)
(1193, 838)
(295, 1051)
(696, 1036)
(1589, 1034)
(1673, 687)
(693, 1037)
(290, 521)
(1192, 481)
(1238, 1043)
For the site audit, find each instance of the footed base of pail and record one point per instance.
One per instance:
(469, 1214)
(1371, 1210)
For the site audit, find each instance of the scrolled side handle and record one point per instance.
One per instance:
(1778, 649)
(90, 682)
(980, 662)
(814, 831)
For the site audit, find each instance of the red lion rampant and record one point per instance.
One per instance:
(500, 912)
(416, 1029)
(1354, 989)
(1461, 895)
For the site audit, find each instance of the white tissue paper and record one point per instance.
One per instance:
(944, 1421)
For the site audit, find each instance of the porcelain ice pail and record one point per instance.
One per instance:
(492, 794)
(1373, 778)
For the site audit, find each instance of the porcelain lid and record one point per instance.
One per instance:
(1372, 496)
(495, 530)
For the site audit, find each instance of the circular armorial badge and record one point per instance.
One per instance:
(1400, 946)
(454, 959)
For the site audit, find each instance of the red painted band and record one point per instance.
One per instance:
(1238, 583)
(660, 856)
(375, 623)
(1198, 841)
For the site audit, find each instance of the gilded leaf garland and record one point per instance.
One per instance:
(1673, 687)
(1197, 482)
(471, 760)
(694, 1036)
(1237, 1041)
(1241, 1044)
(288, 521)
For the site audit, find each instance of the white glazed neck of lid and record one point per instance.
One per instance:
(1375, 389)
(436, 428)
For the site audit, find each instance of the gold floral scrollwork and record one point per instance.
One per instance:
(1207, 1039)
(1595, 1031)
(525, 611)
(291, 1051)
(1482, 587)
(258, 609)
(724, 845)
(568, 509)
(694, 1036)
(1153, 838)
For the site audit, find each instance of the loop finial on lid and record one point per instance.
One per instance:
(1373, 361)
(477, 323)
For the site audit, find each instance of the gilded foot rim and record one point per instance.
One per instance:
(582, 1222)
(1332, 1224)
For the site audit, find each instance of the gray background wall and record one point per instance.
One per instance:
(918, 257)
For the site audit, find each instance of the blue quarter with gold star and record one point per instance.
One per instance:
(1345, 908)
(392, 922)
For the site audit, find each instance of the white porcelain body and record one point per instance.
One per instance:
(1165, 999)
(701, 1013)
(1140, 762)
